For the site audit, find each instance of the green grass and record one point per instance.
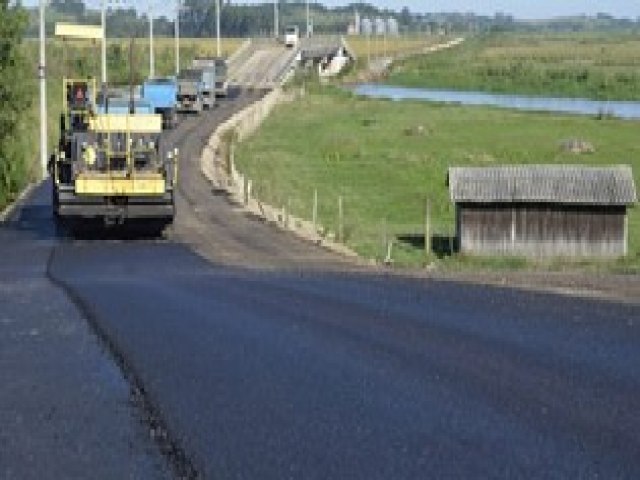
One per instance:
(386, 158)
(598, 66)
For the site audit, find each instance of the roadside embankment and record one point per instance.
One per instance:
(219, 167)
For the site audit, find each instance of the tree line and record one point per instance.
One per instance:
(197, 19)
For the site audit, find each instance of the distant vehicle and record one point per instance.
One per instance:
(189, 96)
(291, 36)
(219, 67)
(162, 94)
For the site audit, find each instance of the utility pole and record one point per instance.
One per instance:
(308, 21)
(43, 92)
(152, 67)
(103, 16)
(219, 49)
(276, 19)
(177, 33)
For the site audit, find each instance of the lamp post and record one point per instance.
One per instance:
(308, 21)
(177, 36)
(218, 47)
(152, 67)
(276, 19)
(43, 92)
(103, 21)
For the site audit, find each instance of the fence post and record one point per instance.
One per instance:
(245, 190)
(287, 213)
(340, 220)
(427, 229)
(315, 211)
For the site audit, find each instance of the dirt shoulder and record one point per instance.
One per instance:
(603, 286)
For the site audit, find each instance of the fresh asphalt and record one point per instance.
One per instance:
(262, 356)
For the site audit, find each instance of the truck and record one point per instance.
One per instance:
(189, 95)
(208, 76)
(111, 167)
(291, 36)
(219, 66)
(161, 93)
(123, 105)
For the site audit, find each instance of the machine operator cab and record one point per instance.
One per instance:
(79, 104)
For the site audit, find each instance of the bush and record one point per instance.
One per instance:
(15, 100)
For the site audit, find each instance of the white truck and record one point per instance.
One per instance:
(291, 36)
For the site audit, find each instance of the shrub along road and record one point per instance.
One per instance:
(272, 358)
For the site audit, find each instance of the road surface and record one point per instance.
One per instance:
(266, 357)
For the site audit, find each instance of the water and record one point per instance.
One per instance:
(580, 106)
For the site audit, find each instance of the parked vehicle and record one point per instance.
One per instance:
(162, 94)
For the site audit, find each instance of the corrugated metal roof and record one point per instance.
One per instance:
(575, 184)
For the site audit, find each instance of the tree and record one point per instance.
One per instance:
(15, 100)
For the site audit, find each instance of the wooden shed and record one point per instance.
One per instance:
(542, 210)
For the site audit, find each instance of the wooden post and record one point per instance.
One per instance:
(427, 229)
(340, 220)
(315, 210)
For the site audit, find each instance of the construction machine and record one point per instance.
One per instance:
(111, 167)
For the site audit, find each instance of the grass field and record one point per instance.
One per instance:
(386, 158)
(598, 65)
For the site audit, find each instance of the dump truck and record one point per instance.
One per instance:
(219, 66)
(208, 76)
(111, 167)
(162, 94)
(190, 96)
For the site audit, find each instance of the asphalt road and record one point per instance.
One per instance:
(266, 357)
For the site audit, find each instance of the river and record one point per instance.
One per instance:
(579, 106)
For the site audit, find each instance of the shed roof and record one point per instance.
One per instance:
(318, 47)
(572, 184)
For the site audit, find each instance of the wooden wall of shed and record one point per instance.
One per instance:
(542, 230)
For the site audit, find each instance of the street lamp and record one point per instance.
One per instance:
(219, 50)
(177, 35)
(43, 92)
(276, 19)
(152, 68)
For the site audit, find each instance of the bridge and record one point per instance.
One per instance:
(266, 63)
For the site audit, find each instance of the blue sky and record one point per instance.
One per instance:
(519, 8)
